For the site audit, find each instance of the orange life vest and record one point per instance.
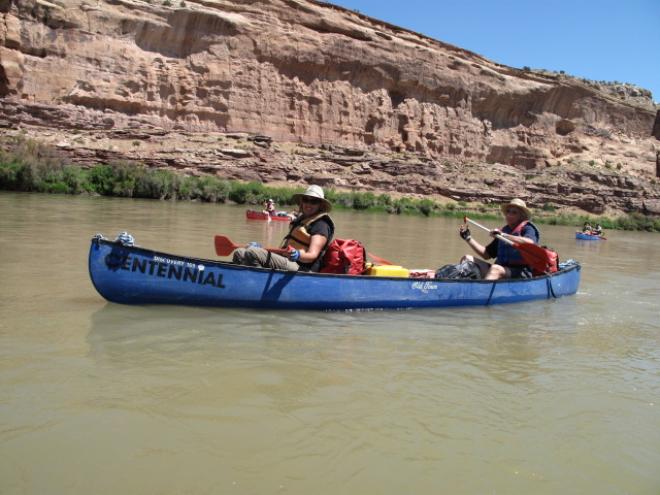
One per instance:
(298, 236)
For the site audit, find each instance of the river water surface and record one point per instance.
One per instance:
(551, 397)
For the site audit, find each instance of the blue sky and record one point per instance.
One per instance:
(600, 40)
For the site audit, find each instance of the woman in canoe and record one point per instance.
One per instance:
(309, 235)
(508, 260)
(269, 207)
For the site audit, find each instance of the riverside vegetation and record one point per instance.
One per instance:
(31, 166)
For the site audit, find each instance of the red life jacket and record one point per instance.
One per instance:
(542, 261)
(346, 256)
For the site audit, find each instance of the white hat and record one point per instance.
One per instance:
(520, 204)
(314, 192)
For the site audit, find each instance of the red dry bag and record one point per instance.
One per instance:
(346, 256)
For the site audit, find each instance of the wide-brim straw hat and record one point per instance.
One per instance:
(314, 192)
(520, 204)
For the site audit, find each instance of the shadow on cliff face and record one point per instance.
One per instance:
(185, 33)
(4, 83)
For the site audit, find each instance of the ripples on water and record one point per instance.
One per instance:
(552, 397)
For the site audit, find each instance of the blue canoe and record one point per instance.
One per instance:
(588, 237)
(134, 275)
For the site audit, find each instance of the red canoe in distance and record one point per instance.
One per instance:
(260, 215)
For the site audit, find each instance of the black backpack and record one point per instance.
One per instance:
(468, 270)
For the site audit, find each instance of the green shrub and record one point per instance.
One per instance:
(76, 180)
(426, 206)
(403, 205)
(250, 193)
(156, 184)
(213, 190)
(363, 201)
(102, 180)
(10, 176)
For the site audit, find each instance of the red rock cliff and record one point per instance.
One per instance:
(307, 72)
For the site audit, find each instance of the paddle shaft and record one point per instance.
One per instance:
(508, 241)
(224, 247)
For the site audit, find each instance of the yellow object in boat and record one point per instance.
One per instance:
(388, 271)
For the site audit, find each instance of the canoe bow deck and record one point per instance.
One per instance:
(134, 275)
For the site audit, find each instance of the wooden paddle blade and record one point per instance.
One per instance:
(224, 246)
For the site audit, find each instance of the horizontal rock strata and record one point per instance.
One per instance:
(416, 115)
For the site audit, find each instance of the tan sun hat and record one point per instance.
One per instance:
(314, 192)
(520, 204)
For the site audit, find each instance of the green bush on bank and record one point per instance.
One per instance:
(32, 167)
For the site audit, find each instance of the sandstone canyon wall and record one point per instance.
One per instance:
(344, 100)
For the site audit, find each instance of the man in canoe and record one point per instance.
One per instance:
(509, 262)
(309, 235)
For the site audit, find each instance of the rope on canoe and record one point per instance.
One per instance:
(492, 289)
(551, 291)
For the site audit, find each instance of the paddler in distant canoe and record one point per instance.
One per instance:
(269, 207)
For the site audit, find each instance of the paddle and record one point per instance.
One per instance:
(534, 255)
(378, 259)
(224, 247)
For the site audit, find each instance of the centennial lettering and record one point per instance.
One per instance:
(152, 266)
(210, 279)
(179, 270)
(174, 270)
(139, 265)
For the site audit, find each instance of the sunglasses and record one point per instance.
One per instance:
(512, 210)
(311, 201)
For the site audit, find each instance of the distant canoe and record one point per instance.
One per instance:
(260, 215)
(583, 236)
(135, 275)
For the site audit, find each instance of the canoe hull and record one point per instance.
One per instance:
(133, 275)
(588, 237)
